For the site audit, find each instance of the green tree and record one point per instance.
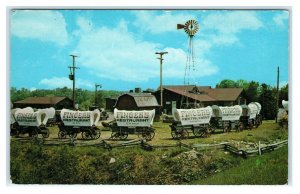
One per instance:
(252, 92)
(227, 83)
(267, 100)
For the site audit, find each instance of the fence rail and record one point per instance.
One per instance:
(145, 145)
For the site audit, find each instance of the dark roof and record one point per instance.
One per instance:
(206, 93)
(184, 87)
(42, 100)
(224, 94)
(143, 99)
(199, 97)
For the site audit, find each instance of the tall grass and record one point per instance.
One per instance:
(267, 169)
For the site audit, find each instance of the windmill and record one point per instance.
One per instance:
(190, 27)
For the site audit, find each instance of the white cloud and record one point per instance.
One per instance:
(44, 25)
(166, 22)
(216, 29)
(59, 82)
(231, 22)
(115, 53)
(280, 18)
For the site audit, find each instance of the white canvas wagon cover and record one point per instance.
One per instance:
(253, 110)
(79, 118)
(134, 118)
(227, 113)
(29, 117)
(193, 116)
(12, 115)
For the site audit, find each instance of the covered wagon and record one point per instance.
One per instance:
(226, 118)
(132, 122)
(194, 121)
(258, 118)
(29, 121)
(13, 122)
(251, 115)
(282, 115)
(74, 122)
(51, 116)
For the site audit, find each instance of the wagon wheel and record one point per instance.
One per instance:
(123, 135)
(212, 129)
(86, 135)
(256, 123)
(46, 135)
(33, 133)
(114, 135)
(62, 134)
(240, 126)
(184, 134)
(72, 134)
(174, 134)
(148, 135)
(199, 132)
(226, 129)
(250, 126)
(15, 132)
(97, 134)
(208, 131)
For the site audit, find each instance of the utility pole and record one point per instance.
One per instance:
(277, 96)
(161, 89)
(96, 99)
(72, 77)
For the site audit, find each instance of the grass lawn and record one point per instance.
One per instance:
(64, 164)
(267, 169)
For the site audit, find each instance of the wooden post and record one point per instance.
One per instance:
(72, 68)
(277, 95)
(161, 89)
(259, 148)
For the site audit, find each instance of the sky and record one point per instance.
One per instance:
(116, 48)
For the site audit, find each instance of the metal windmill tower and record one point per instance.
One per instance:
(190, 27)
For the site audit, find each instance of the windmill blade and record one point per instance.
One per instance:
(180, 26)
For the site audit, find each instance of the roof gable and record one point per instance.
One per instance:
(143, 99)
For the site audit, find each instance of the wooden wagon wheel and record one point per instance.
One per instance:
(114, 135)
(240, 126)
(199, 132)
(46, 135)
(225, 129)
(256, 123)
(72, 134)
(174, 134)
(62, 134)
(123, 135)
(148, 134)
(208, 131)
(250, 125)
(97, 134)
(183, 134)
(86, 135)
(33, 133)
